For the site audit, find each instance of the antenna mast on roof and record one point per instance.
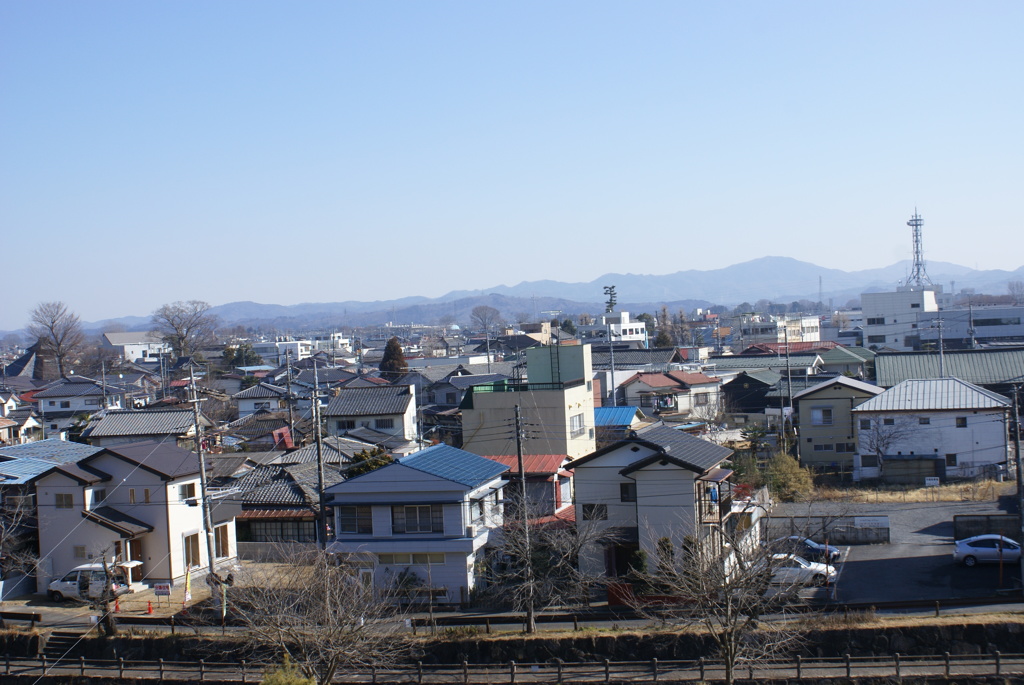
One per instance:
(918, 276)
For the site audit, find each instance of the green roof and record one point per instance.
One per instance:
(981, 367)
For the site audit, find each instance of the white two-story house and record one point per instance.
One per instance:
(424, 520)
(936, 427)
(656, 489)
(136, 502)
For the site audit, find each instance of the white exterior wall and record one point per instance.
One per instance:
(983, 442)
(900, 311)
(401, 486)
(545, 413)
(60, 530)
(248, 406)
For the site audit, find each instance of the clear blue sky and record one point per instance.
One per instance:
(323, 151)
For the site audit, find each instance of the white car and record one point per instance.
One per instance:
(789, 569)
(989, 548)
(87, 582)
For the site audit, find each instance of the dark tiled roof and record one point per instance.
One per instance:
(451, 463)
(142, 422)
(324, 376)
(386, 399)
(162, 458)
(658, 357)
(286, 485)
(259, 391)
(681, 448)
(117, 520)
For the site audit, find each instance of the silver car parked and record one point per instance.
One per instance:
(989, 548)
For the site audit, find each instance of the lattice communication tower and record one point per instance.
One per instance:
(918, 276)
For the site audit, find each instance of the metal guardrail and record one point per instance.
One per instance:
(553, 671)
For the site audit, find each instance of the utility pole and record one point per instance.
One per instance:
(322, 518)
(942, 355)
(531, 620)
(288, 383)
(789, 388)
(204, 486)
(1017, 460)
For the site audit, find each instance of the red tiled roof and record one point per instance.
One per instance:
(692, 378)
(547, 464)
(565, 517)
(672, 379)
(179, 384)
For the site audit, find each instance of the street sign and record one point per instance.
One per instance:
(931, 481)
(162, 589)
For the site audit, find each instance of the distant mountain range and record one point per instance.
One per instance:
(779, 279)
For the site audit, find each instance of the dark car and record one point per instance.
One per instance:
(808, 549)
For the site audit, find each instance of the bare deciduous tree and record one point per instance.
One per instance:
(1016, 290)
(536, 568)
(880, 438)
(185, 326)
(59, 331)
(485, 317)
(722, 584)
(315, 609)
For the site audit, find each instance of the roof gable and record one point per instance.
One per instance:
(934, 394)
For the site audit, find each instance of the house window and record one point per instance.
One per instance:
(192, 550)
(876, 321)
(65, 500)
(576, 427)
(845, 447)
(627, 492)
(821, 416)
(923, 420)
(829, 447)
(876, 338)
(595, 512)
(865, 424)
(961, 422)
(915, 305)
(950, 460)
(384, 424)
(145, 495)
(346, 425)
(79, 551)
(701, 399)
(869, 461)
(420, 518)
(450, 398)
(186, 491)
(93, 402)
(51, 403)
(131, 495)
(422, 559)
(888, 422)
(645, 401)
(355, 519)
(260, 405)
(65, 404)
(282, 531)
(99, 495)
(221, 541)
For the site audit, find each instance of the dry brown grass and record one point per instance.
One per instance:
(972, 491)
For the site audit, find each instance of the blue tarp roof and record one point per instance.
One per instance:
(614, 416)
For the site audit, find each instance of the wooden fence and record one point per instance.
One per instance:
(554, 671)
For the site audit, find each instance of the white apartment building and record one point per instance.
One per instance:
(619, 325)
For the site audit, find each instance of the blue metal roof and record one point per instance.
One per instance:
(614, 416)
(20, 471)
(51, 449)
(451, 463)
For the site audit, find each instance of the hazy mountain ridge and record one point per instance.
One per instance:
(779, 279)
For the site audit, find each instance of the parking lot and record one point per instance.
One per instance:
(917, 564)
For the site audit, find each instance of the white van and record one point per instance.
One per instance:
(87, 582)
